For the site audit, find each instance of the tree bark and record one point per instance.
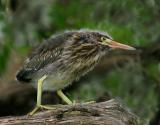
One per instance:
(104, 113)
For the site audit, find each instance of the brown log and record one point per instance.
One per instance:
(104, 113)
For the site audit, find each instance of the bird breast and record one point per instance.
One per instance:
(78, 63)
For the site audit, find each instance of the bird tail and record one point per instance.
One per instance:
(24, 76)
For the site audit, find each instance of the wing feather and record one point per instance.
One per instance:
(48, 52)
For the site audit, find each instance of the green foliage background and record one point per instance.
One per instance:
(24, 24)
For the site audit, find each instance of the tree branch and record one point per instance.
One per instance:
(105, 113)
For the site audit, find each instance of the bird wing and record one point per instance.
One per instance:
(45, 54)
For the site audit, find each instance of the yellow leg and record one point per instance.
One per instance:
(67, 100)
(64, 97)
(39, 95)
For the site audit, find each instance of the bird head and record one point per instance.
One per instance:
(102, 40)
(106, 42)
(89, 44)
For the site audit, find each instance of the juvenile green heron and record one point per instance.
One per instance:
(64, 58)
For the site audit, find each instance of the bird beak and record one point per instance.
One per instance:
(114, 44)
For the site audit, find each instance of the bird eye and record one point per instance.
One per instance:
(103, 39)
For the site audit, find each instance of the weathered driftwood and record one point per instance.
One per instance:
(105, 113)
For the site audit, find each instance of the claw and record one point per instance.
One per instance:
(40, 107)
(33, 111)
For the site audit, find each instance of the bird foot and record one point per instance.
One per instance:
(48, 107)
